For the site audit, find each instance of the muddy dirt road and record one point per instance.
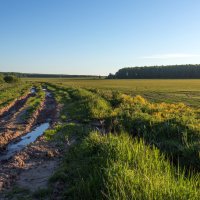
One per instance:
(12, 123)
(31, 156)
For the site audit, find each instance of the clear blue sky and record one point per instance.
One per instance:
(97, 36)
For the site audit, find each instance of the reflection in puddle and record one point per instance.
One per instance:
(33, 91)
(25, 140)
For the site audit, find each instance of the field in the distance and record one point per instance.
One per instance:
(155, 90)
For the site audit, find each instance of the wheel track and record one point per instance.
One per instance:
(36, 155)
(10, 128)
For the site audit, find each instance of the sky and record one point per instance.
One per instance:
(97, 37)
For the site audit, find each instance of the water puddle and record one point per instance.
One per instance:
(25, 140)
(33, 90)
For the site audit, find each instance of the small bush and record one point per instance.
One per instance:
(11, 79)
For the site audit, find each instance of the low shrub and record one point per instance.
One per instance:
(11, 79)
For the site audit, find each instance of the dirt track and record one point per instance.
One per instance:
(12, 125)
(35, 156)
(18, 102)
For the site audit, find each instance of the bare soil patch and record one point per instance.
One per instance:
(13, 126)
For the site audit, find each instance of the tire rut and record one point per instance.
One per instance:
(35, 156)
(10, 125)
(7, 112)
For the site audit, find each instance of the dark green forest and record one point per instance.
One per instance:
(158, 72)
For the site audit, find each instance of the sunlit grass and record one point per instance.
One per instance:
(119, 167)
(171, 91)
(150, 152)
(10, 92)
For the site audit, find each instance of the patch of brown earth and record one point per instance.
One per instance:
(12, 126)
(13, 105)
(31, 168)
(33, 155)
(27, 161)
(37, 177)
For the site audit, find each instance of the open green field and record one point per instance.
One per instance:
(171, 91)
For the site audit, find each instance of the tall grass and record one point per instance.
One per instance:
(88, 105)
(118, 167)
(134, 165)
(82, 104)
(10, 92)
(33, 103)
(173, 128)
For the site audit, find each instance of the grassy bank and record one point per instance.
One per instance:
(10, 92)
(33, 103)
(132, 160)
(119, 167)
(173, 128)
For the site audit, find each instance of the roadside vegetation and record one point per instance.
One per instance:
(11, 92)
(120, 167)
(89, 106)
(33, 103)
(173, 128)
(142, 151)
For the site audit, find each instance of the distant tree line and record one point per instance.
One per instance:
(34, 75)
(158, 72)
